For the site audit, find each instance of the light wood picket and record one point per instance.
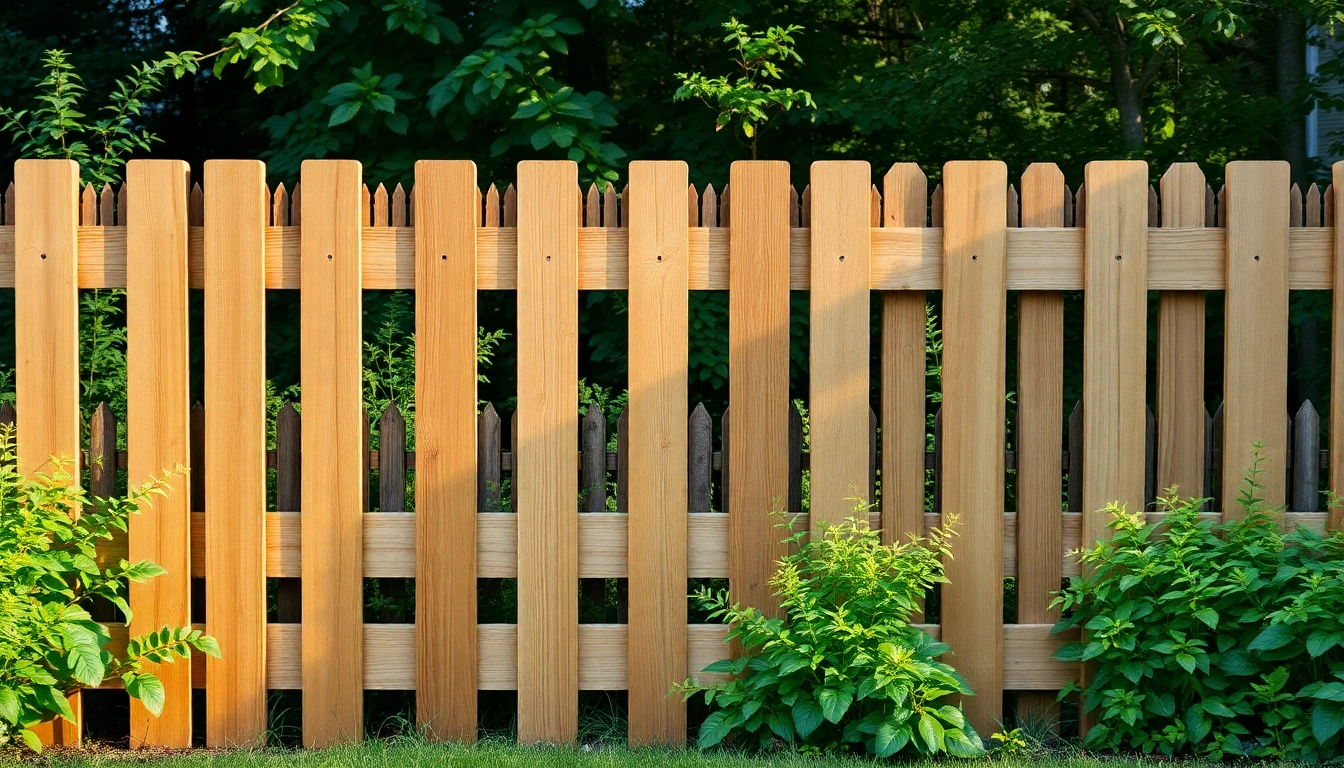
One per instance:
(1255, 382)
(446, 482)
(333, 434)
(657, 479)
(841, 211)
(545, 483)
(974, 338)
(235, 447)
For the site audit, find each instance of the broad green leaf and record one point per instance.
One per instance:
(891, 737)
(807, 715)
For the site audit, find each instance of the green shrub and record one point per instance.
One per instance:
(1212, 638)
(845, 669)
(49, 645)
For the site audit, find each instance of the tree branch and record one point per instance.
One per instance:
(1150, 69)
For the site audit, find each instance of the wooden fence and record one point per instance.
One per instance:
(1116, 239)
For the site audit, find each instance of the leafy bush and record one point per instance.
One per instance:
(1212, 638)
(49, 645)
(845, 668)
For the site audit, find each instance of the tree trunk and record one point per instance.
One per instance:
(1125, 92)
(1291, 71)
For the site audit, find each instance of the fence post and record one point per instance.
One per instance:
(1180, 349)
(235, 447)
(46, 334)
(657, 439)
(158, 413)
(1336, 514)
(1040, 431)
(333, 453)
(446, 480)
(974, 340)
(841, 248)
(1255, 384)
(546, 482)
(758, 379)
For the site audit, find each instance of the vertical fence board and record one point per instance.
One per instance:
(235, 447)
(1040, 429)
(905, 192)
(1114, 339)
(657, 438)
(974, 338)
(158, 425)
(841, 227)
(1255, 385)
(545, 454)
(758, 381)
(1180, 349)
(1334, 213)
(446, 450)
(334, 483)
(45, 214)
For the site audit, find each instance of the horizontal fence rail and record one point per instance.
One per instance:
(539, 496)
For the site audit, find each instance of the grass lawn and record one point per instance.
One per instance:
(414, 753)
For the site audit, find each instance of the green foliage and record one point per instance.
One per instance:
(102, 351)
(49, 570)
(748, 100)
(267, 49)
(843, 668)
(56, 128)
(513, 70)
(371, 93)
(1211, 638)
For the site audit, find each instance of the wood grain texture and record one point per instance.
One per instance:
(158, 432)
(1040, 430)
(446, 468)
(545, 477)
(906, 194)
(333, 435)
(974, 358)
(45, 215)
(657, 480)
(839, 348)
(1114, 340)
(1255, 384)
(1335, 212)
(235, 449)
(758, 379)
(1180, 349)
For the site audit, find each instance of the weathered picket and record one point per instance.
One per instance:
(975, 239)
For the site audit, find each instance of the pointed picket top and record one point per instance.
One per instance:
(88, 206)
(1041, 203)
(9, 205)
(936, 208)
(905, 191)
(724, 214)
(611, 217)
(1068, 206)
(1014, 207)
(709, 208)
(7, 415)
(593, 434)
(700, 447)
(590, 208)
(122, 205)
(1313, 203)
(874, 206)
(280, 206)
(793, 206)
(1210, 207)
(1181, 183)
(1080, 206)
(380, 217)
(491, 217)
(805, 207)
(102, 463)
(1329, 206)
(399, 212)
(692, 207)
(1154, 208)
(1294, 206)
(510, 207)
(1222, 209)
(196, 208)
(107, 200)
